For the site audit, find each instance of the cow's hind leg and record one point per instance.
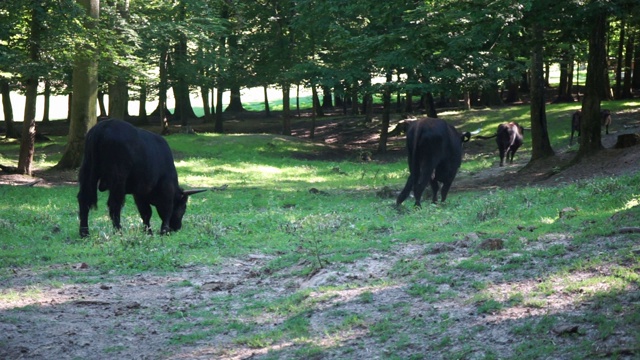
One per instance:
(435, 186)
(115, 204)
(445, 190)
(426, 176)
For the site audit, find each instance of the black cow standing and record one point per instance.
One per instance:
(435, 155)
(509, 139)
(126, 160)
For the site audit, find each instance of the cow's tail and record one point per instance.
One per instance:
(88, 178)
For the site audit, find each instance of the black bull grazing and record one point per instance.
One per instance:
(126, 160)
(435, 155)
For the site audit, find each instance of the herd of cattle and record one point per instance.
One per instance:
(123, 159)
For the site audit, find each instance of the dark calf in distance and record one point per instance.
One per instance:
(123, 159)
(509, 139)
(434, 155)
(576, 119)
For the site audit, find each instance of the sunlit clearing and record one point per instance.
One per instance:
(631, 203)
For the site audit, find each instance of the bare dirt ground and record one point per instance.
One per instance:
(131, 317)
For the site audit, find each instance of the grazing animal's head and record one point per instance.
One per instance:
(180, 207)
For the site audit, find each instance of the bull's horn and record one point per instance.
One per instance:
(476, 132)
(194, 191)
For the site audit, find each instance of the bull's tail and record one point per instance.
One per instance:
(88, 179)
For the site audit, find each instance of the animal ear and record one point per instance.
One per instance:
(466, 136)
(194, 191)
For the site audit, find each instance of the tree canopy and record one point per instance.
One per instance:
(437, 51)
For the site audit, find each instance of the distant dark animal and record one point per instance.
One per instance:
(126, 160)
(576, 119)
(435, 155)
(605, 119)
(509, 139)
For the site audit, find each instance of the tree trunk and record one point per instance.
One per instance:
(316, 101)
(367, 101)
(430, 105)
(28, 137)
(620, 56)
(204, 92)
(590, 140)
(83, 107)
(314, 107)
(628, 63)
(163, 113)
(490, 95)
(286, 110)
(566, 74)
(219, 125)
(267, 111)
(47, 101)
(635, 78)
(118, 99)
(235, 102)
(386, 115)
(103, 108)
(142, 109)
(327, 102)
(354, 99)
(541, 147)
(7, 107)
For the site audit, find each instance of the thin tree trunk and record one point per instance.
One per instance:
(142, 109)
(162, 91)
(314, 107)
(219, 125)
(286, 110)
(619, 62)
(386, 115)
(267, 111)
(628, 63)
(47, 101)
(103, 108)
(7, 107)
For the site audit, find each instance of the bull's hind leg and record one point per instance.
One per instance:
(84, 216)
(426, 176)
(115, 204)
(445, 190)
(435, 186)
(406, 191)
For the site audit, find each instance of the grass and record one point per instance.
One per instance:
(267, 208)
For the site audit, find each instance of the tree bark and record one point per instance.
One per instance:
(142, 109)
(267, 111)
(103, 108)
(47, 101)
(315, 102)
(628, 63)
(204, 92)
(7, 108)
(386, 115)
(620, 56)
(327, 102)
(28, 137)
(235, 102)
(219, 125)
(118, 99)
(590, 139)
(541, 146)
(286, 110)
(83, 106)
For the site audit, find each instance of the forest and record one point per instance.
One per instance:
(350, 54)
(297, 248)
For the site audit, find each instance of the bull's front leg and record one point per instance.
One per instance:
(144, 208)
(165, 211)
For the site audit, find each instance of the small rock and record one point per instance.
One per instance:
(491, 244)
(565, 329)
